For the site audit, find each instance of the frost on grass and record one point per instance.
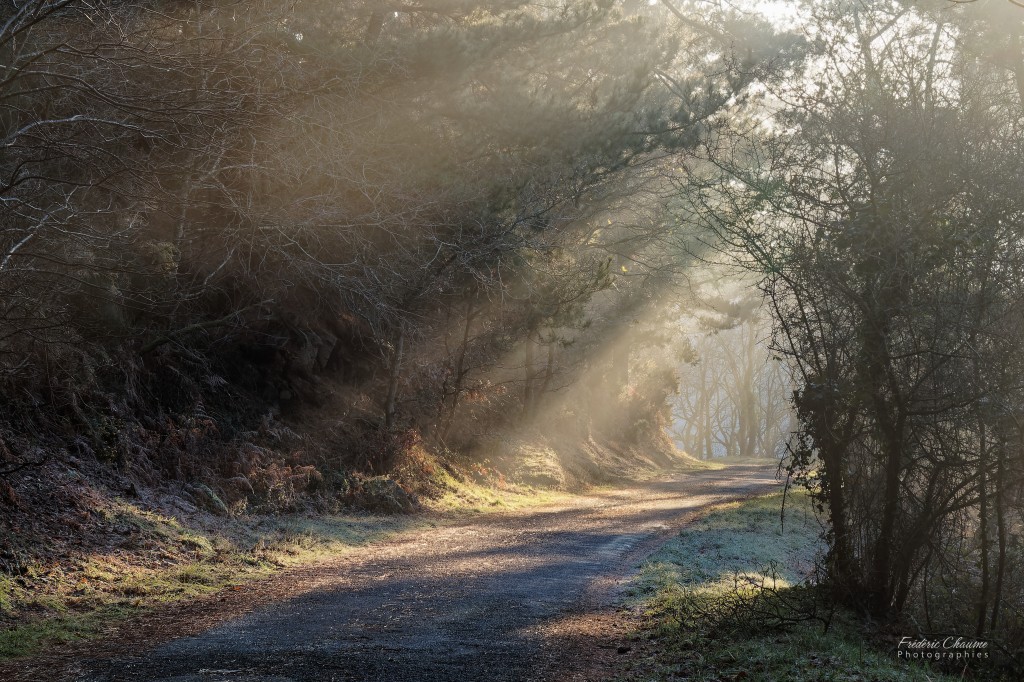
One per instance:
(733, 596)
(742, 539)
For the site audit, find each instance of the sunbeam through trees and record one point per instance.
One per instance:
(265, 258)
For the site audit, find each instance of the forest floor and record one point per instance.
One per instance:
(519, 594)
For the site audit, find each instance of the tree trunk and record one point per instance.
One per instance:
(709, 435)
(374, 26)
(1001, 534)
(982, 529)
(549, 369)
(889, 424)
(459, 373)
(620, 366)
(393, 375)
(841, 560)
(528, 362)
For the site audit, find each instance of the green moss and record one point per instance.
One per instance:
(7, 594)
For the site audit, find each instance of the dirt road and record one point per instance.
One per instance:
(485, 600)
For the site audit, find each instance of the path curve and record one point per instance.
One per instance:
(484, 600)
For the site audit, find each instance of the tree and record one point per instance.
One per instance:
(878, 209)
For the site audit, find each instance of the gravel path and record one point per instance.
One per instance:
(491, 599)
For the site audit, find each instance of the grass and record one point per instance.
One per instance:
(474, 498)
(488, 492)
(163, 559)
(158, 559)
(686, 463)
(73, 600)
(691, 592)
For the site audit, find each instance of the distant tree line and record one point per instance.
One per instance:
(734, 399)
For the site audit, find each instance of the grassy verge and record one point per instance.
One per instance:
(165, 561)
(155, 559)
(719, 598)
(136, 559)
(480, 490)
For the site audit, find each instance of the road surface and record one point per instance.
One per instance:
(491, 599)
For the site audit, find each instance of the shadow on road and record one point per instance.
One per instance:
(468, 602)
